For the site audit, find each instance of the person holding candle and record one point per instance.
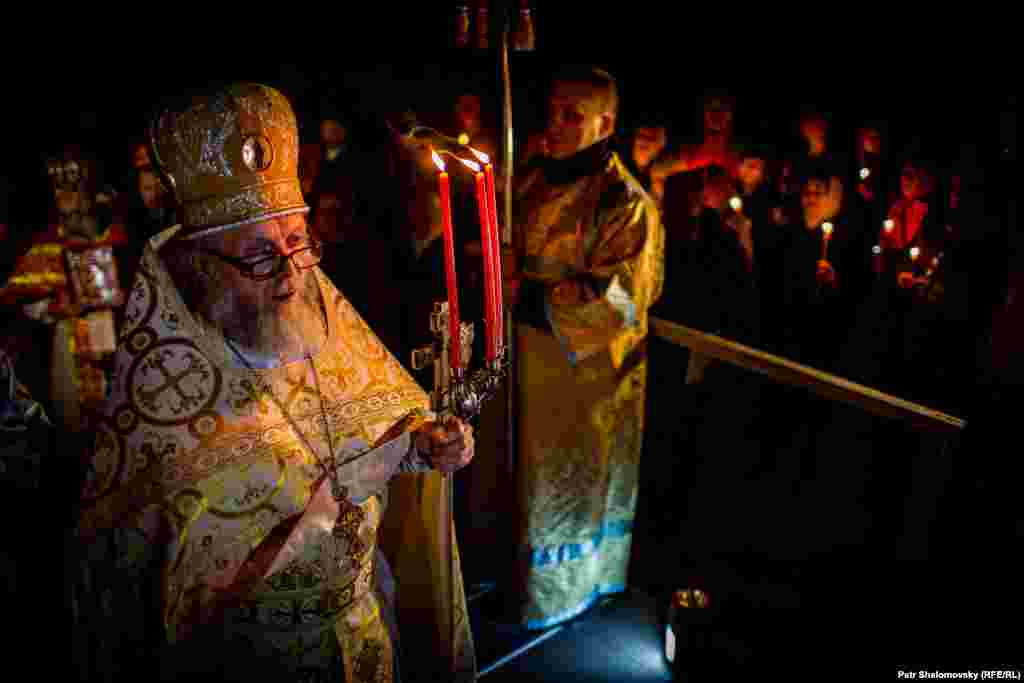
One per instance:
(928, 296)
(913, 208)
(242, 506)
(678, 173)
(724, 265)
(870, 175)
(590, 248)
(764, 205)
(823, 279)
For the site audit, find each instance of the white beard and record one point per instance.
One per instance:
(278, 334)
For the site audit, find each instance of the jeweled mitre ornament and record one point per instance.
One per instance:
(231, 158)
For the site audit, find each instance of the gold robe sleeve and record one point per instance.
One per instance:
(600, 278)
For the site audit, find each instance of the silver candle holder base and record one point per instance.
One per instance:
(458, 391)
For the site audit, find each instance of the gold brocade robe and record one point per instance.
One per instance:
(195, 468)
(596, 246)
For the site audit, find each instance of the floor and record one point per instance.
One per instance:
(912, 616)
(619, 639)
(929, 590)
(931, 586)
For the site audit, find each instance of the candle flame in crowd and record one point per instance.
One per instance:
(463, 139)
(915, 252)
(472, 165)
(827, 228)
(889, 224)
(437, 160)
(736, 203)
(691, 597)
(480, 155)
(865, 173)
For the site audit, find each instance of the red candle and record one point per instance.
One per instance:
(452, 283)
(495, 247)
(490, 302)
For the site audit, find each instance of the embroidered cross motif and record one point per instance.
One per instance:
(173, 382)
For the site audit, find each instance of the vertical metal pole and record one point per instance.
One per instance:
(508, 141)
(449, 337)
(442, 383)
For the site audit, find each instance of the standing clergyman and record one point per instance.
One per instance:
(233, 498)
(592, 252)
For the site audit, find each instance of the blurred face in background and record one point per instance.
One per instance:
(869, 141)
(718, 117)
(140, 157)
(812, 196)
(814, 131)
(333, 135)
(914, 183)
(468, 115)
(151, 189)
(751, 172)
(577, 119)
(325, 218)
(648, 142)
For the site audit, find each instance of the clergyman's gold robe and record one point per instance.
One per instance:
(596, 246)
(196, 469)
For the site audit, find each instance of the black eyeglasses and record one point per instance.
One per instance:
(270, 267)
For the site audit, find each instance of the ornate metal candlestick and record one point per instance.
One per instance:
(456, 393)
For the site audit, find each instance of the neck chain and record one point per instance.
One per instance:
(330, 472)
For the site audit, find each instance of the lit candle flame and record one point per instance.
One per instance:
(915, 252)
(889, 224)
(827, 228)
(437, 160)
(736, 203)
(480, 155)
(463, 139)
(475, 167)
(865, 173)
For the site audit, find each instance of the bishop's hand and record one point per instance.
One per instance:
(448, 447)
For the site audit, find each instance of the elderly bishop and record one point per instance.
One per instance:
(253, 441)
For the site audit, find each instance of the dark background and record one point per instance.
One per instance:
(939, 82)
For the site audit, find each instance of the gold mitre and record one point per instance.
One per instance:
(231, 158)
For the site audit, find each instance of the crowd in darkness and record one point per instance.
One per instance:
(911, 257)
